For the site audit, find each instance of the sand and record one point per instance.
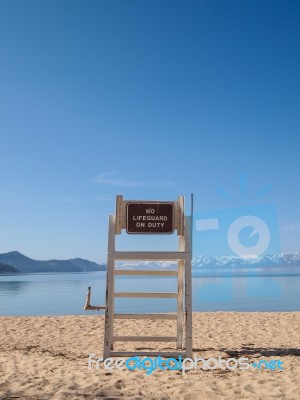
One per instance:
(47, 358)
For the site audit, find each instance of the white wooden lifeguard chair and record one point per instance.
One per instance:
(150, 217)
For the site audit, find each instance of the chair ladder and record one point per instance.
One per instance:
(183, 316)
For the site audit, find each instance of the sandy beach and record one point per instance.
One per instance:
(47, 358)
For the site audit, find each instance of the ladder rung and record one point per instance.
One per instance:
(145, 316)
(149, 255)
(144, 272)
(166, 354)
(145, 339)
(147, 294)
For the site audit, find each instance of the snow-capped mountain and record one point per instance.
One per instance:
(275, 260)
(165, 265)
(200, 262)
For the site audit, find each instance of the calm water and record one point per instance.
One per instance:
(61, 294)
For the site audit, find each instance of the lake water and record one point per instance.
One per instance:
(63, 294)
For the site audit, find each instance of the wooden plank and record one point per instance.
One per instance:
(166, 354)
(120, 217)
(147, 294)
(145, 338)
(95, 308)
(146, 316)
(88, 306)
(180, 304)
(109, 310)
(188, 293)
(144, 272)
(88, 300)
(149, 255)
(180, 216)
(180, 319)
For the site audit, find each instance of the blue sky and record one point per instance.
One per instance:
(149, 99)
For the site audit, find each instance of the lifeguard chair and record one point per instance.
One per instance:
(150, 217)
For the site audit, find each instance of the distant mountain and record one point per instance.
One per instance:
(22, 263)
(7, 269)
(26, 264)
(201, 262)
(267, 261)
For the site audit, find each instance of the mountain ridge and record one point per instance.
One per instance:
(28, 265)
(270, 260)
(283, 260)
(25, 264)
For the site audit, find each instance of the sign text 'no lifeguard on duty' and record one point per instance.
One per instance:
(150, 218)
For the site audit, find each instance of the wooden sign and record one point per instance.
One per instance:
(156, 218)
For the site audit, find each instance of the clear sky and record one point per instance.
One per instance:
(149, 99)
